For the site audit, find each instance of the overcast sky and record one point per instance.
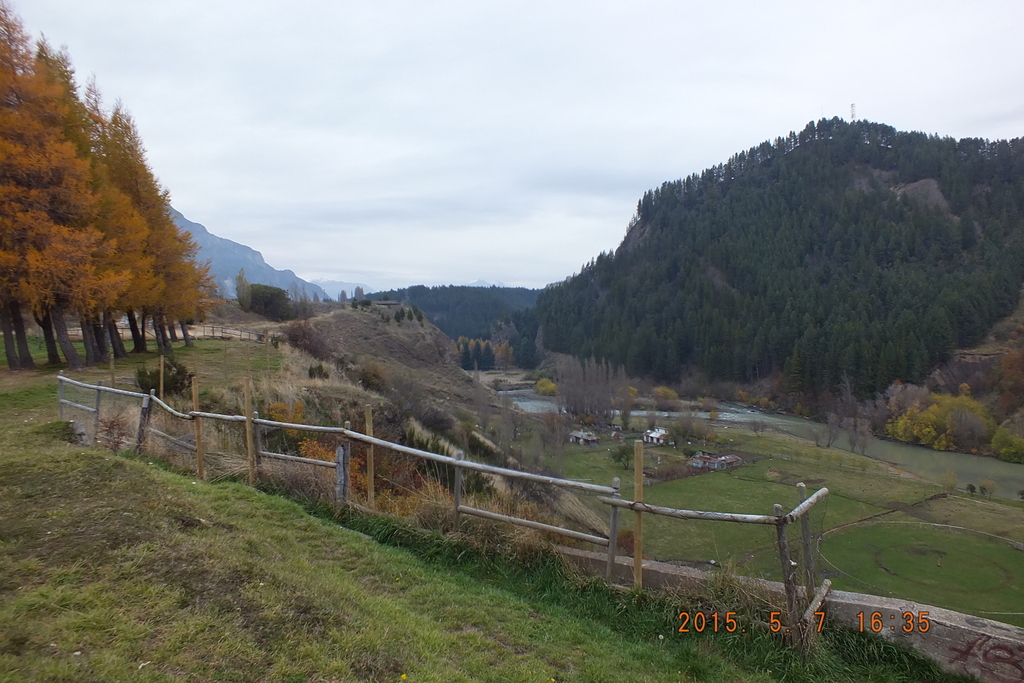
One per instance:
(397, 143)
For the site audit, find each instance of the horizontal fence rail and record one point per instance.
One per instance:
(99, 387)
(444, 459)
(540, 526)
(198, 331)
(691, 514)
(797, 512)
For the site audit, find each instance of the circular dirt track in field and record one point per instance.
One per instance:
(922, 557)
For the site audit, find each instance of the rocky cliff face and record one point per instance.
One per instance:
(227, 258)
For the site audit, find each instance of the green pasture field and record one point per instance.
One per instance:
(859, 489)
(907, 558)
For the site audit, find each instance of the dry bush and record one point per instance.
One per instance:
(969, 430)
(903, 397)
(306, 337)
(297, 480)
(115, 432)
(372, 376)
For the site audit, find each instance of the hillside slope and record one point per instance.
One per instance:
(847, 250)
(115, 569)
(412, 353)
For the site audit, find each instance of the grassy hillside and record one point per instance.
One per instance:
(114, 568)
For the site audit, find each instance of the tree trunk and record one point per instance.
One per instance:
(88, 341)
(52, 355)
(115, 336)
(185, 335)
(19, 334)
(60, 328)
(162, 346)
(169, 326)
(102, 347)
(138, 334)
(9, 344)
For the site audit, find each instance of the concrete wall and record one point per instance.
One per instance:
(988, 650)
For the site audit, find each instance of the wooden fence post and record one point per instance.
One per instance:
(613, 533)
(805, 533)
(113, 380)
(369, 457)
(341, 474)
(60, 395)
(200, 469)
(347, 464)
(140, 436)
(247, 397)
(458, 489)
(638, 527)
(787, 573)
(258, 440)
(96, 419)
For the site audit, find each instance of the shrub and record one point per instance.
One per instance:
(312, 340)
(318, 371)
(373, 376)
(1008, 446)
(622, 455)
(665, 398)
(176, 378)
(313, 449)
(545, 387)
(435, 419)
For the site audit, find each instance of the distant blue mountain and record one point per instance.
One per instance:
(227, 258)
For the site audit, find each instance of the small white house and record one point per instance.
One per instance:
(656, 436)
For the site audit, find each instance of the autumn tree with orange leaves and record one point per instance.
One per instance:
(85, 227)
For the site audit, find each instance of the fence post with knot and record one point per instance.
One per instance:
(458, 489)
(200, 468)
(140, 436)
(788, 572)
(613, 532)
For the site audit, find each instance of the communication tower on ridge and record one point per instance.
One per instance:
(853, 112)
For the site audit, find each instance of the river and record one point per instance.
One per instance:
(924, 462)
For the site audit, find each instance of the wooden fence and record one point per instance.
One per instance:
(800, 605)
(201, 331)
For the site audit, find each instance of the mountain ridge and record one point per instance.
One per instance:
(227, 257)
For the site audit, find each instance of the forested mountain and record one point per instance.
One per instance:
(847, 250)
(464, 311)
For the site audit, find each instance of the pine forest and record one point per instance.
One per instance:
(849, 252)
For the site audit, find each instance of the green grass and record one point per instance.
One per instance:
(114, 568)
(907, 558)
(859, 489)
